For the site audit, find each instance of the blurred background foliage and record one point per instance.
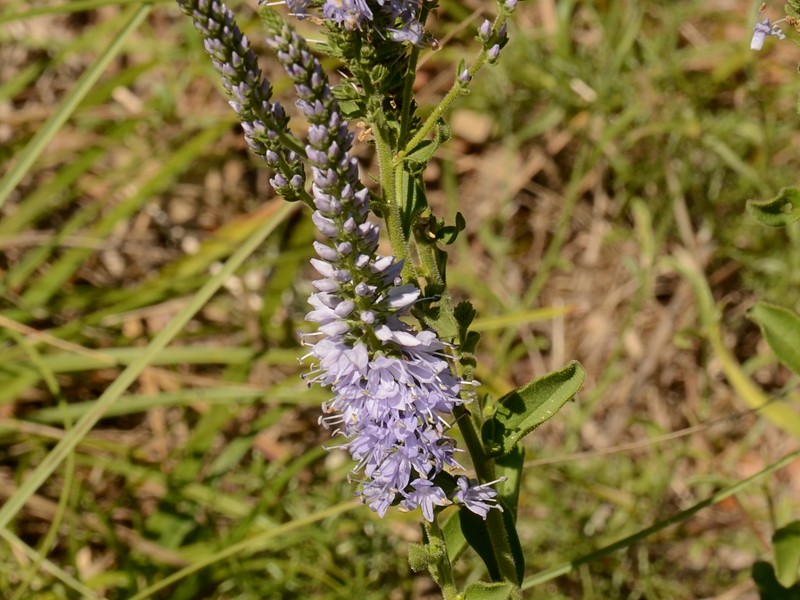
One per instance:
(611, 136)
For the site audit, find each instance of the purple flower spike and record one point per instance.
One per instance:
(249, 93)
(392, 386)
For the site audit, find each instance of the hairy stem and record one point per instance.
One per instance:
(454, 93)
(391, 207)
(441, 570)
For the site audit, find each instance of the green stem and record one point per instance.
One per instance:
(470, 425)
(431, 121)
(484, 468)
(442, 570)
(427, 256)
(455, 91)
(408, 93)
(391, 169)
(391, 206)
(408, 84)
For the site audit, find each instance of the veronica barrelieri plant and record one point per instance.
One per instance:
(394, 352)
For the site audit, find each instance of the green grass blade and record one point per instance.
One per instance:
(52, 532)
(249, 545)
(132, 372)
(23, 271)
(780, 414)
(63, 269)
(565, 568)
(42, 199)
(69, 7)
(43, 137)
(48, 566)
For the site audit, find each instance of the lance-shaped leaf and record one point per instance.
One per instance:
(420, 154)
(454, 538)
(781, 329)
(411, 197)
(786, 544)
(524, 409)
(778, 212)
(477, 534)
(508, 469)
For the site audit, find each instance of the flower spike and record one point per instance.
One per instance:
(392, 386)
(264, 122)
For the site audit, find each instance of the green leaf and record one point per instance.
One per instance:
(510, 467)
(418, 558)
(778, 212)
(454, 538)
(491, 591)
(350, 109)
(476, 532)
(412, 199)
(447, 234)
(786, 545)
(768, 586)
(524, 409)
(470, 343)
(464, 313)
(781, 329)
(423, 152)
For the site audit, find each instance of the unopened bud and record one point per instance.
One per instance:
(485, 30)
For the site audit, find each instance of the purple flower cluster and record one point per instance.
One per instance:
(264, 122)
(355, 14)
(402, 16)
(392, 386)
(494, 41)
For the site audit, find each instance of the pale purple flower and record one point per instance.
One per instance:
(480, 499)
(412, 32)
(350, 14)
(298, 8)
(763, 29)
(396, 20)
(404, 11)
(425, 495)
